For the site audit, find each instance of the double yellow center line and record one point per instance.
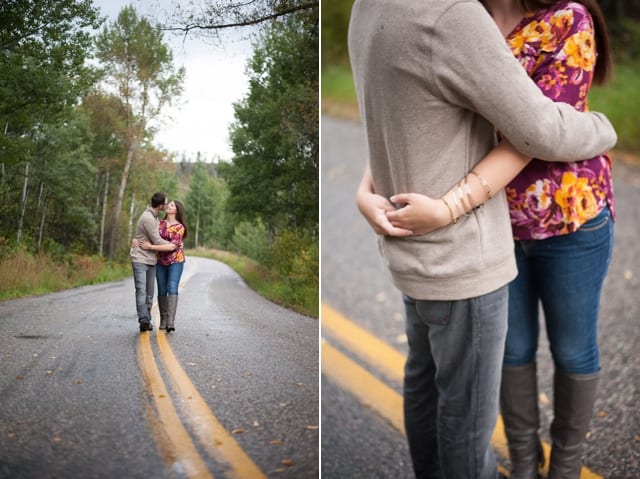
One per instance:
(374, 393)
(172, 438)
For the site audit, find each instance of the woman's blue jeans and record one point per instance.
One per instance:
(565, 274)
(451, 384)
(168, 278)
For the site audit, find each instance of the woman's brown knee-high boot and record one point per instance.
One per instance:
(172, 306)
(573, 399)
(162, 307)
(520, 414)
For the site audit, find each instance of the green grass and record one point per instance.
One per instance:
(619, 100)
(300, 296)
(338, 92)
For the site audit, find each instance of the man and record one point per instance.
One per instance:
(144, 262)
(434, 78)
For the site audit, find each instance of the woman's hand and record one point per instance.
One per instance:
(374, 208)
(420, 214)
(135, 243)
(146, 245)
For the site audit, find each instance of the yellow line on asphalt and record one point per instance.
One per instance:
(375, 352)
(374, 393)
(212, 435)
(181, 446)
(370, 391)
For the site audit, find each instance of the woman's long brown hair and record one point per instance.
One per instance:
(604, 65)
(180, 216)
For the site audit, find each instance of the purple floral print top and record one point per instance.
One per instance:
(173, 233)
(557, 48)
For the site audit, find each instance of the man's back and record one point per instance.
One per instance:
(146, 230)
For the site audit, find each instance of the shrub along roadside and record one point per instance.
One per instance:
(25, 274)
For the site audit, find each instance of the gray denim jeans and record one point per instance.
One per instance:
(452, 383)
(144, 276)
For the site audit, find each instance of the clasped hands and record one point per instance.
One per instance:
(140, 244)
(405, 214)
(144, 244)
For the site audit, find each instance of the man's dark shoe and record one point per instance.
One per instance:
(146, 326)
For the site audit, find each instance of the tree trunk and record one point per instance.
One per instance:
(197, 226)
(118, 206)
(23, 201)
(131, 211)
(41, 229)
(104, 214)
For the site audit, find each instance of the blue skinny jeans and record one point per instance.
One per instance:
(168, 278)
(565, 275)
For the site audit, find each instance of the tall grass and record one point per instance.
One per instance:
(25, 274)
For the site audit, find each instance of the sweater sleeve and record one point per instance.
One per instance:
(150, 227)
(473, 68)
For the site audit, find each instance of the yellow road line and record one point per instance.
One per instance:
(377, 353)
(212, 435)
(176, 440)
(372, 392)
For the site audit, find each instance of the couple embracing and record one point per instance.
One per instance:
(157, 252)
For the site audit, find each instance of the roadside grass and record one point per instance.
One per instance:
(24, 274)
(619, 100)
(298, 294)
(621, 103)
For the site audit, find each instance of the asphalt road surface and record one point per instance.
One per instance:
(361, 433)
(232, 393)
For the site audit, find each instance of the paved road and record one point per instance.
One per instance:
(357, 441)
(233, 391)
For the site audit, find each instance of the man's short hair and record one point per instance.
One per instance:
(158, 199)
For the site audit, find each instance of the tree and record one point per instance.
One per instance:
(215, 16)
(274, 174)
(43, 48)
(139, 65)
(44, 45)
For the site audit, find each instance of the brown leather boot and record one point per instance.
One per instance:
(573, 399)
(172, 306)
(162, 307)
(520, 414)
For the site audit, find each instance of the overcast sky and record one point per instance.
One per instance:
(215, 79)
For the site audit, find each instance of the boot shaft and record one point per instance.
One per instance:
(520, 414)
(573, 399)
(172, 306)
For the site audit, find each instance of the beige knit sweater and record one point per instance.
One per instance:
(433, 78)
(147, 230)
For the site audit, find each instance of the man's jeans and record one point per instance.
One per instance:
(143, 279)
(451, 385)
(169, 278)
(566, 274)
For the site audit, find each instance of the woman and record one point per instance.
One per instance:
(170, 262)
(562, 219)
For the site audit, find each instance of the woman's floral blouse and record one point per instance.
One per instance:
(557, 48)
(173, 233)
